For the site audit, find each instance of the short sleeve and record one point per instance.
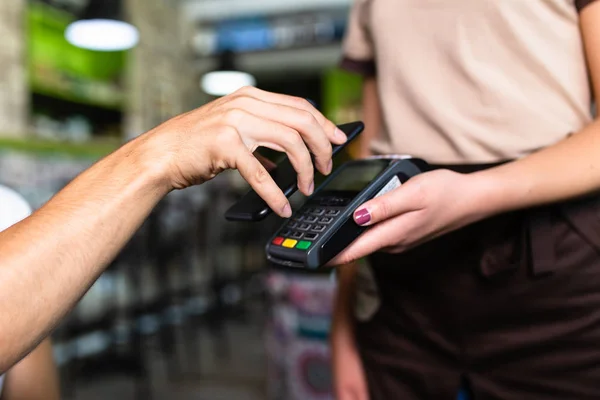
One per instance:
(358, 49)
(13, 208)
(581, 4)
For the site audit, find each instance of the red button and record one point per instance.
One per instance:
(278, 240)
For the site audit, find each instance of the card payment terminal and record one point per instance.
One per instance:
(325, 226)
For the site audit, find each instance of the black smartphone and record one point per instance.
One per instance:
(251, 207)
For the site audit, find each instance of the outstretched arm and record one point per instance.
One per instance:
(50, 259)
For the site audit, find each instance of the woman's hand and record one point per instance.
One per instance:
(194, 147)
(425, 207)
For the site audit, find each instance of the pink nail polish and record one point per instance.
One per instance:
(362, 216)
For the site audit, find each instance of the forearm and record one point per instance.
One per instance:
(49, 260)
(566, 170)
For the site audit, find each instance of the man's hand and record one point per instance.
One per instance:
(49, 260)
(224, 134)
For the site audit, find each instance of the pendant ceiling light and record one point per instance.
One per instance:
(102, 27)
(227, 78)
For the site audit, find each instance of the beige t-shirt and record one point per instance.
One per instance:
(472, 81)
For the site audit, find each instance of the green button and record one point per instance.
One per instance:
(303, 245)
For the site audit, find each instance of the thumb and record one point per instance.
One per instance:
(389, 205)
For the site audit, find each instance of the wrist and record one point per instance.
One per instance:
(152, 164)
(493, 192)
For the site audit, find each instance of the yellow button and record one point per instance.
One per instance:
(289, 243)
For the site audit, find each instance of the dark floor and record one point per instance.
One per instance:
(236, 374)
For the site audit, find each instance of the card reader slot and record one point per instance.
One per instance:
(288, 254)
(285, 263)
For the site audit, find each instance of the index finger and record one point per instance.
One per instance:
(389, 205)
(334, 134)
(257, 176)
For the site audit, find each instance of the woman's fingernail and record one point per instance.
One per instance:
(362, 216)
(329, 167)
(311, 189)
(339, 135)
(287, 211)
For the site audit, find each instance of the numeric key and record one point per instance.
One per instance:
(318, 228)
(305, 227)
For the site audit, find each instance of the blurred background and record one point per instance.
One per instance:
(190, 309)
